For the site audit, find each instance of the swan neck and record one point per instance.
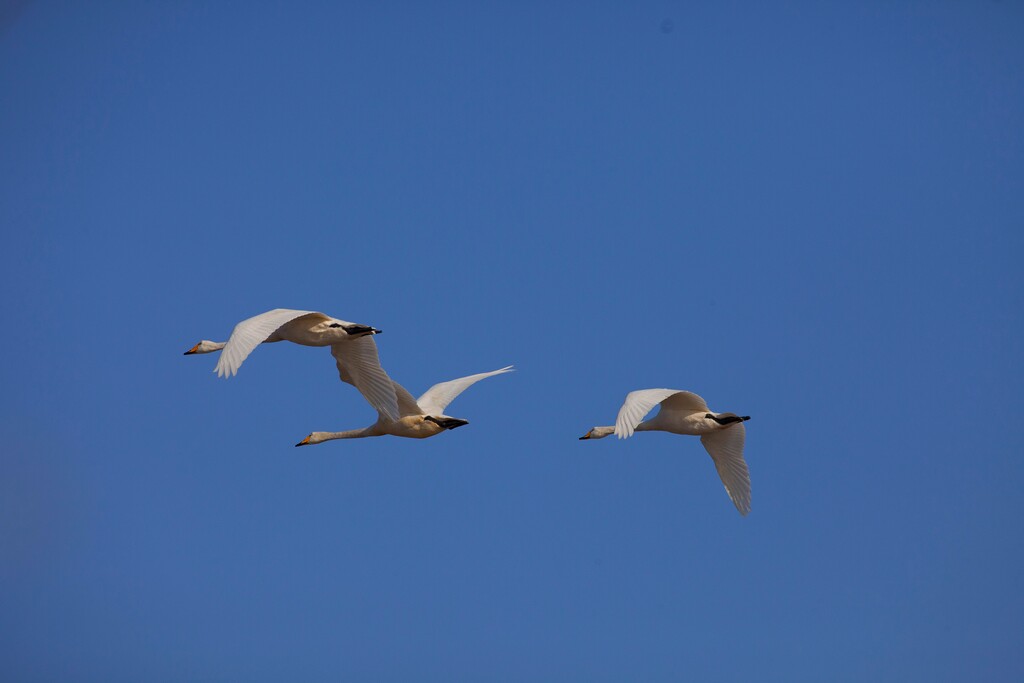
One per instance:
(206, 346)
(348, 434)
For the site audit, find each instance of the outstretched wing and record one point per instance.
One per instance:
(726, 449)
(250, 333)
(437, 397)
(639, 403)
(359, 365)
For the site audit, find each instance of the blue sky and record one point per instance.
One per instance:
(810, 213)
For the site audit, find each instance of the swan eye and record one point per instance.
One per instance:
(334, 325)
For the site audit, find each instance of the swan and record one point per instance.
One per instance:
(683, 412)
(309, 328)
(420, 418)
(351, 344)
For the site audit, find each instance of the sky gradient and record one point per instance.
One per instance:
(810, 213)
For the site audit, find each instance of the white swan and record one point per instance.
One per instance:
(309, 328)
(683, 412)
(420, 418)
(351, 344)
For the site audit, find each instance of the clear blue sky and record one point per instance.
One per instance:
(810, 213)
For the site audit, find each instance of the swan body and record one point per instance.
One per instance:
(420, 418)
(352, 346)
(683, 412)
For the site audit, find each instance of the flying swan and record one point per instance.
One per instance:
(420, 418)
(311, 328)
(683, 412)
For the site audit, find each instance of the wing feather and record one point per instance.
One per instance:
(249, 334)
(639, 403)
(726, 449)
(407, 405)
(437, 397)
(359, 365)
(684, 402)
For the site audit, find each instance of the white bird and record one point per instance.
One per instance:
(351, 343)
(420, 418)
(683, 412)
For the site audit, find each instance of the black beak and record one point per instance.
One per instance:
(189, 353)
(584, 437)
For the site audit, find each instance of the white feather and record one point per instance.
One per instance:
(252, 332)
(437, 397)
(726, 448)
(359, 365)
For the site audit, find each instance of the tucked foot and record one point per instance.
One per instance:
(446, 422)
(727, 419)
(360, 330)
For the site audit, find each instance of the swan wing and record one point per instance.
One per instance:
(359, 365)
(726, 448)
(252, 332)
(407, 405)
(639, 403)
(437, 397)
(684, 402)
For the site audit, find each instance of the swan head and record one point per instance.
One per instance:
(597, 433)
(313, 438)
(205, 346)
